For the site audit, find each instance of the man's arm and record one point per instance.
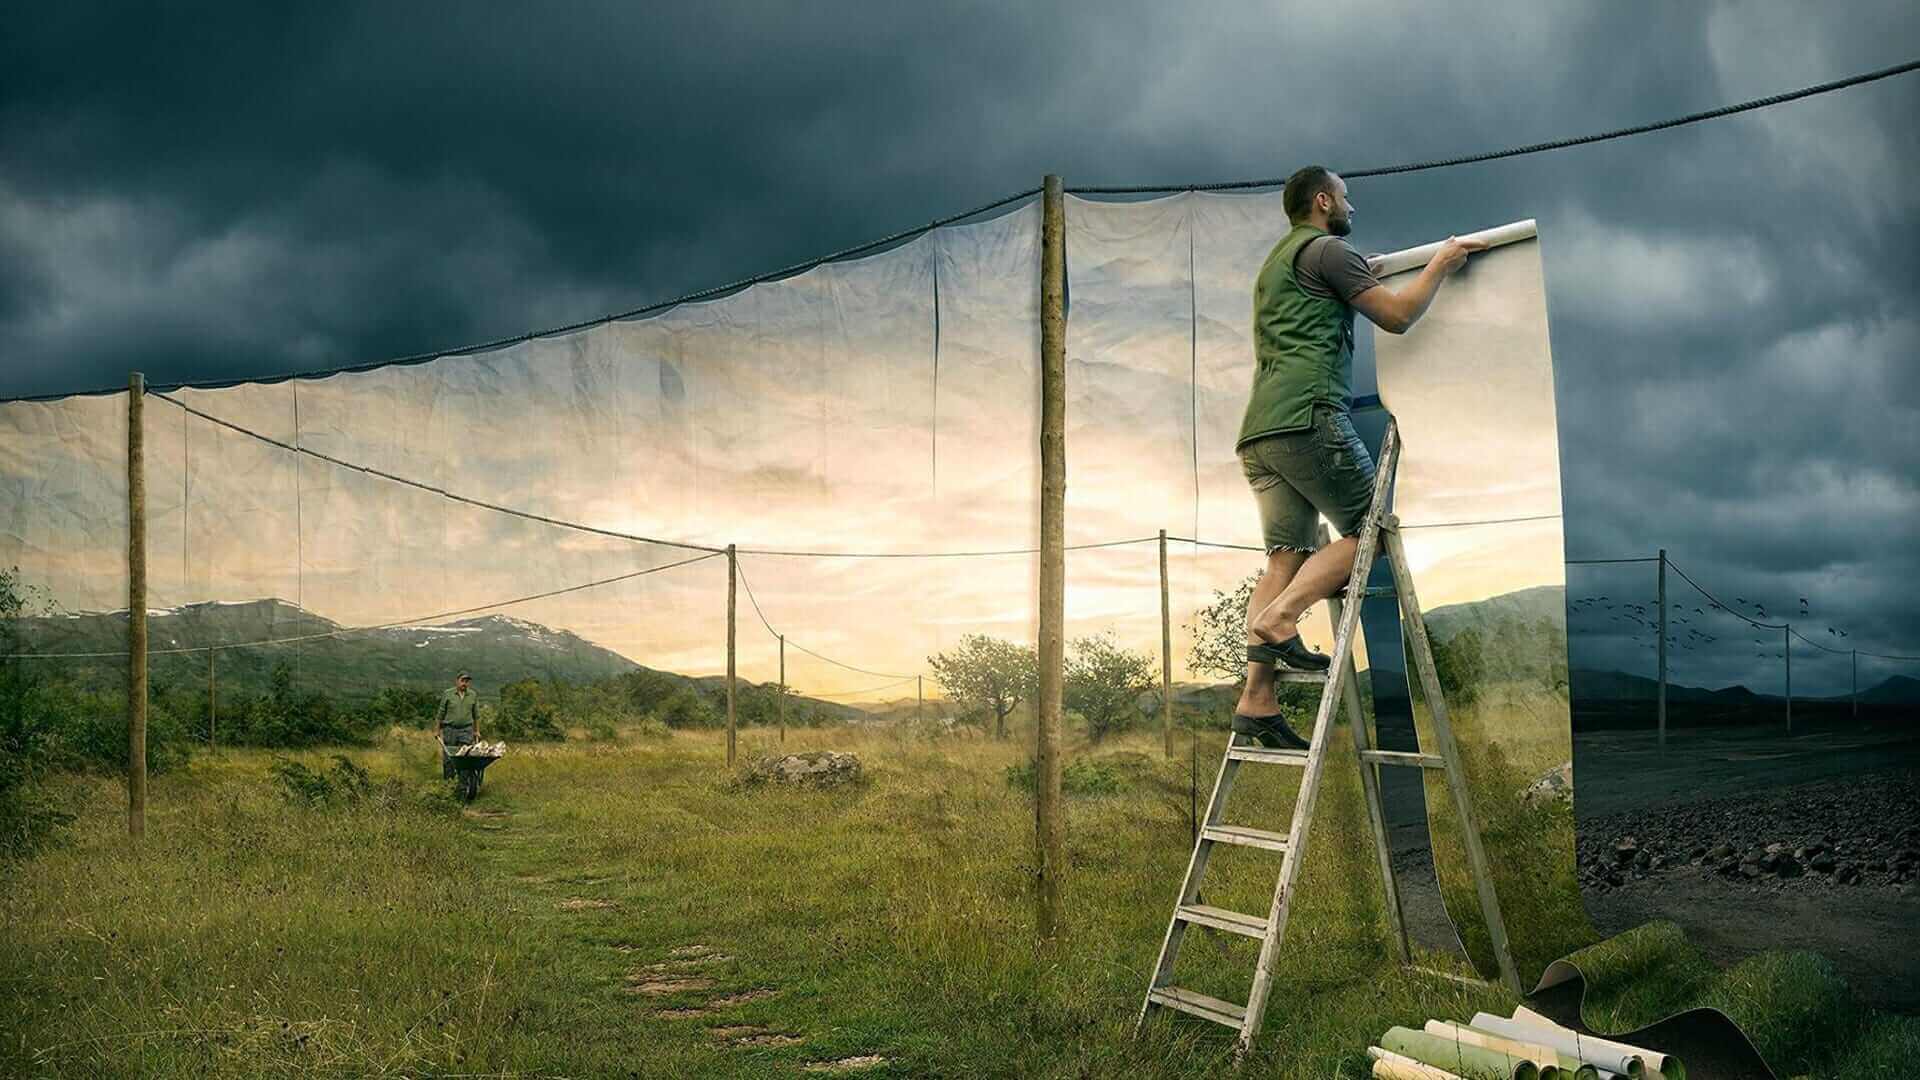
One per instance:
(1396, 312)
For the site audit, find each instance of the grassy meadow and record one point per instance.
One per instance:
(625, 908)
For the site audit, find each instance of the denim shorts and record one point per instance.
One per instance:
(1300, 475)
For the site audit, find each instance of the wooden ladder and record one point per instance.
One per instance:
(1338, 687)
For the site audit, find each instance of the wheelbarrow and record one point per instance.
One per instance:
(469, 762)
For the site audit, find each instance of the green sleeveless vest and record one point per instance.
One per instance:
(1302, 347)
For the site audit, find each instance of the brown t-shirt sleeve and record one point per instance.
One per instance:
(1329, 266)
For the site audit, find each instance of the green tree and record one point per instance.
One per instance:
(686, 708)
(1104, 683)
(987, 675)
(527, 711)
(1220, 632)
(1460, 662)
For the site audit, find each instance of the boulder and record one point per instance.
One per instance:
(815, 768)
(1555, 785)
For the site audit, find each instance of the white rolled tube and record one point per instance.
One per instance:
(1660, 1066)
(1608, 1056)
(1398, 261)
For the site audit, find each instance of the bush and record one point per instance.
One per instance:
(527, 713)
(685, 708)
(651, 728)
(345, 784)
(1077, 777)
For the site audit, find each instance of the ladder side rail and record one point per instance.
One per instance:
(1322, 729)
(1376, 816)
(1449, 750)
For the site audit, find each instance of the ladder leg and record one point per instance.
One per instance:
(1376, 816)
(1422, 659)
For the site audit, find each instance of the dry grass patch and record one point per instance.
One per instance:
(851, 1064)
(582, 903)
(663, 987)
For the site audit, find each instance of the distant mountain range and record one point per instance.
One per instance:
(355, 665)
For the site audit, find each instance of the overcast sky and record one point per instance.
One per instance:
(239, 191)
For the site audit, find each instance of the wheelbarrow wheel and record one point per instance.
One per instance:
(469, 783)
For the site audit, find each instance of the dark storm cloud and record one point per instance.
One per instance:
(242, 190)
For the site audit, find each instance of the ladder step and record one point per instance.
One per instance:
(1236, 834)
(1284, 675)
(1208, 1008)
(1265, 756)
(1400, 757)
(1377, 590)
(1233, 922)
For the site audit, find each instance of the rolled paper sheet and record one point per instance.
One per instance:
(1469, 1061)
(1397, 261)
(1550, 1061)
(1606, 1056)
(1660, 1066)
(1388, 1065)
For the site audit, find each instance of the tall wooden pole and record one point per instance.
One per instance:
(783, 689)
(1786, 640)
(1663, 646)
(733, 581)
(1049, 829)
(1166, 654)
(920, 699)
(136, 607)
(213, 706)
(1855, 695)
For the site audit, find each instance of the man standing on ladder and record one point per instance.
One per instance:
(1297, 444)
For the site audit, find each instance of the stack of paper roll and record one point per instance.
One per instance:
(1526, 1046)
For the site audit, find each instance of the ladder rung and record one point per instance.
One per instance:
(1377, 590)
(1237, 834)
(1208, 1008)
(1221, 919)
(1268, 757)
(1284, 675)
(1401, 757)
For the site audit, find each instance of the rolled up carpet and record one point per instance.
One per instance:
(1469, 1061)
(1388, 1065)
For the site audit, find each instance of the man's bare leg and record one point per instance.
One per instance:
(1256, 694)
(1317, 579)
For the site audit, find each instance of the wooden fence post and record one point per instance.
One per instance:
(136, 607)
(1050, 835)
(213, 706)
(733, 580)
(1166, 654)
(783, 689)
(1663, 647)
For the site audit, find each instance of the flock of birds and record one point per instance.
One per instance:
(1647, 616)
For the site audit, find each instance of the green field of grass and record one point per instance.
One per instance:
(626, 908)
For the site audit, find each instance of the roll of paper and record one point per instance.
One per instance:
(1544, 1056)
(1388, 1065)
(1608, 1057)
(1660, 1066)
(1469, 1061)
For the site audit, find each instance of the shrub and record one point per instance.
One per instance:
(685, 708)
(345, 784)
(527, 712)
(1077, 777)
(651, 728)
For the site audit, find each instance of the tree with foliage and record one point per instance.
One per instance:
(987, 675)
(1104, 683)
(29, 815)
(687, 708)
(527, 711)
(1220, 632)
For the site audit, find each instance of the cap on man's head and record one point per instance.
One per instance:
(463, 675)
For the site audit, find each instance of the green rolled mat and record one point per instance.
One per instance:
(1471, 1062)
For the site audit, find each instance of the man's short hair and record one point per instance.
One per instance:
(1302, 186)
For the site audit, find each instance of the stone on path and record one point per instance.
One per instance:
(1556, 785)
(852, 1064)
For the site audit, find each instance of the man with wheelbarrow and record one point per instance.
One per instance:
(456, 721)
(1297, 446)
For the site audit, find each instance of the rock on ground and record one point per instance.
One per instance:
(1555, 786)
(817, 768)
